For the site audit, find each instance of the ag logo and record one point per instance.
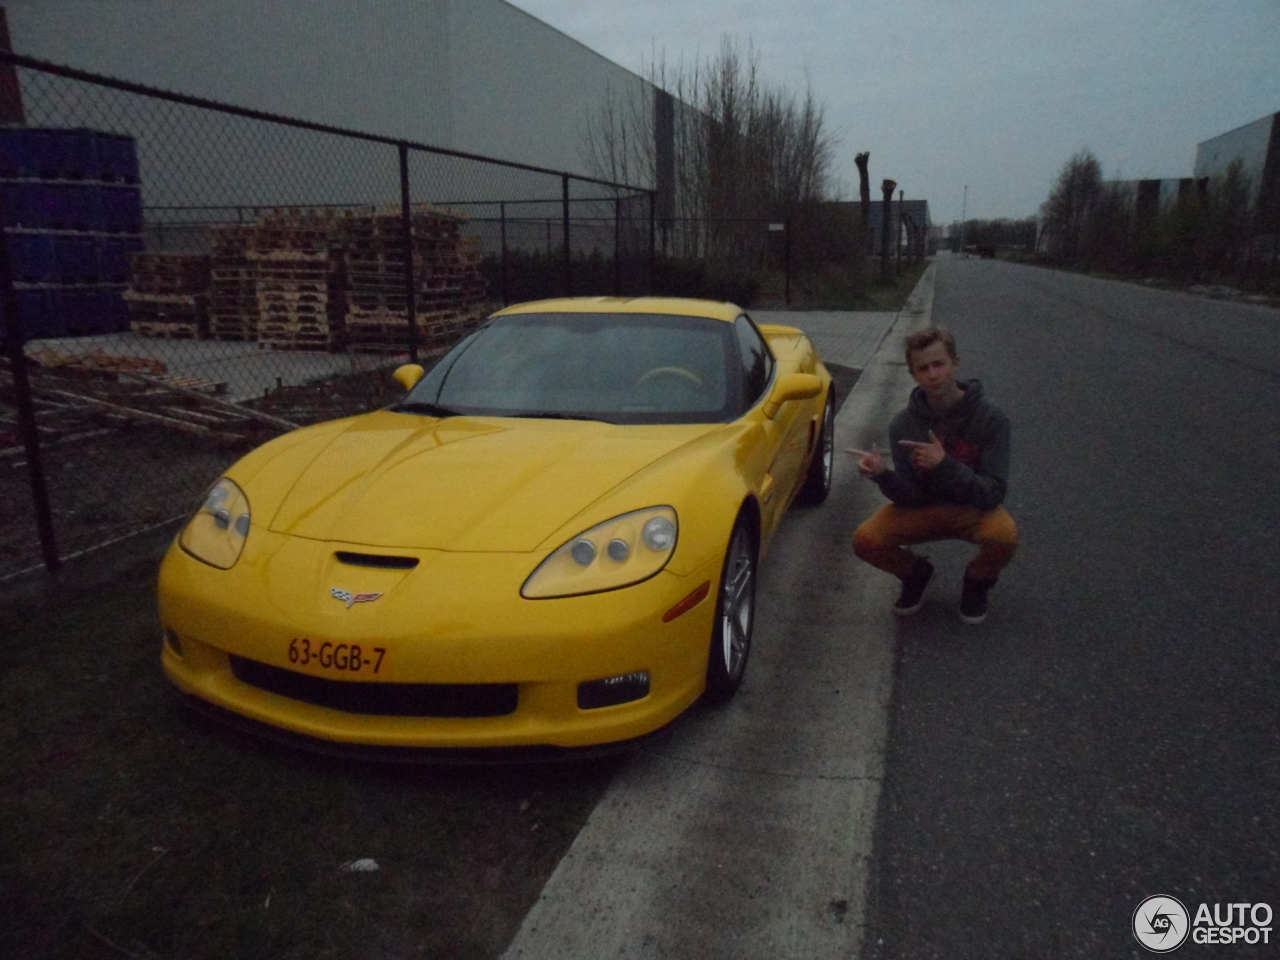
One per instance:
(1161, 923)
(347, 597)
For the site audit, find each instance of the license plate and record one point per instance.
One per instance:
(345, 658)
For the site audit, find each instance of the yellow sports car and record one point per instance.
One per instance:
(551, 542)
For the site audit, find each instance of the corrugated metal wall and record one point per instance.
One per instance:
(475, 75)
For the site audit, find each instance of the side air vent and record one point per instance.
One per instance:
(377, 560)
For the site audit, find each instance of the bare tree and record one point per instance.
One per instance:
(1229, 217)
(743, 151)
(1108, 232)
(864, 189)
(1072, 199)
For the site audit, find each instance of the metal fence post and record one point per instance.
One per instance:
(13, 341)
(786, 294)
(564, 213)
(406, 230)
(652, 228)
(617, 247)
(897, 234)
(502, 219)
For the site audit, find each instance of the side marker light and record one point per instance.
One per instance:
(688, 603)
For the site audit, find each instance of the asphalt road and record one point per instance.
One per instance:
(1113, 730)
(927, 789)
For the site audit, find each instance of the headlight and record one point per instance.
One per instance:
(616, 553)
(217, 532)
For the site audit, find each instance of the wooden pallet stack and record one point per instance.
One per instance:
(168, 295)
(301, 279)
(449, 291)
(299, 284)
(233, 292)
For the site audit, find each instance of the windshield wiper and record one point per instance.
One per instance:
(556, 415)
(422, 406)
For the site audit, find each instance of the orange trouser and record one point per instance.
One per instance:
(881, 539)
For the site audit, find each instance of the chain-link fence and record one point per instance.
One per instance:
(181, 280)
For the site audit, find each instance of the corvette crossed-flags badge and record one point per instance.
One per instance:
(347, 597)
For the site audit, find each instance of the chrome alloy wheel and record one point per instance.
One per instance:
(737, 605)
(828, 441)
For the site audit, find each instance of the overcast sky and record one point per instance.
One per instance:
(992, 94)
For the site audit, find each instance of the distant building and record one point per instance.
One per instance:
(1150, 196)
(1257, 146)
(914, 211)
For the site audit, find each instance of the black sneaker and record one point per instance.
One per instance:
(909, 600)
(973, 600)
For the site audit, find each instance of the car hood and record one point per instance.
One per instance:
(394, 480)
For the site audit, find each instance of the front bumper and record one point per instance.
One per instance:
(455, 619)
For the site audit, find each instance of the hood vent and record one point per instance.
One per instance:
(376, 560)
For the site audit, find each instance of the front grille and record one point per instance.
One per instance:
(376, 560)
(381, 699)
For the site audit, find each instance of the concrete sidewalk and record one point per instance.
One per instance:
(848, 338)
(747, 833)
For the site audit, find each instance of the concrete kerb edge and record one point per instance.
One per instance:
(884, 379)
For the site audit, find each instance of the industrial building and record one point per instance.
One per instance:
(1257, 146)
(480, 76)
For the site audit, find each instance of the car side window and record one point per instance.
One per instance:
(757, 361)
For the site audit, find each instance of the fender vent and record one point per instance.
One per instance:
(376, 560)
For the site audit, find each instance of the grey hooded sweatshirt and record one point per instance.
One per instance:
(975, 435)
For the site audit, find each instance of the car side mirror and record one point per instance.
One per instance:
(408, 375)
(793, 386)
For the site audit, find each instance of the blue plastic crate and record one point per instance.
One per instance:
(117, 158)
(32, 257)
(114, 254)
(80, 207)
(16, 159)
(115, 316)
(52, 206)
(80, 311)
(121, 209)
(67, 154)
(79, 155)
(20, 203)
(49, 152)
(91, 310)
(42, 314)
(78, 259)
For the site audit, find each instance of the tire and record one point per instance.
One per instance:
(735, 617)
(817, 482)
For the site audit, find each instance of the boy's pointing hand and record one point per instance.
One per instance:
(926, 456)
(870, 463)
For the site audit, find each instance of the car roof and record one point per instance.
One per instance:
(678, 306)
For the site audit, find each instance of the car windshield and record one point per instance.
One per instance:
(617, 367)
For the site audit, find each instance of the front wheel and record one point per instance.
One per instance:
(817, 482)
(735, 616)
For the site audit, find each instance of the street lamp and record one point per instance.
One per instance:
(964, 223)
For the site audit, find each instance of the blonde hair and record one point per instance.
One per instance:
(927, 337)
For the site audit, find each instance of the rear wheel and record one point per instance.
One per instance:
(817, 482)
(735, 616)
